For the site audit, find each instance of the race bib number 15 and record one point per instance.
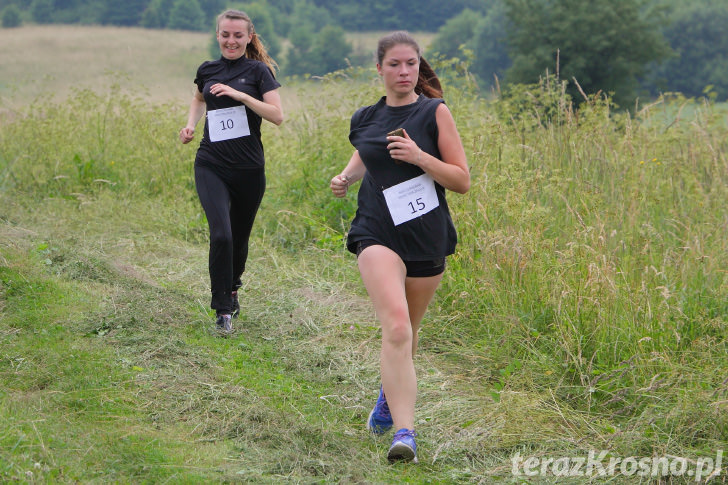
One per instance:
(227, 123)
(411, 199)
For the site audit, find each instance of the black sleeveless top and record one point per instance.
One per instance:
(430, 236)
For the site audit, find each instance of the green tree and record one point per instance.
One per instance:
(490, 46)
(11, 17)
(330, 50)
(212, 8)
(455, 33)
(316, 17)
(186, 15)
(605, 46)
(298, 55)
(483, 36)
(414, 15)
(127, 13)
(699, 38)
(316, 54)
(42, 11)
(156, 15)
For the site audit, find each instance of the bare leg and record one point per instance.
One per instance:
(419, 294)
(400, 304)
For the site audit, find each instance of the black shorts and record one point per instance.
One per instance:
(415, 269)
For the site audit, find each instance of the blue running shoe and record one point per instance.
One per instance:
(403, 446)
(380, 420)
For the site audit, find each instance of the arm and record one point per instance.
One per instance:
(353, 171)
(197, 109)
(452, 171)
(269, 109)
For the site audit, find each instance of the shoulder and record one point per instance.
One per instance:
(432, 101)
(208, 67)
(365, 112)
(254, 64)
(432, 104)
(263, 73)
(360, 113)
(257, 66)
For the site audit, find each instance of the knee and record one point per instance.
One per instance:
(397, 330)
(221, 238)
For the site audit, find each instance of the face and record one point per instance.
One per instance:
(233, 36)
(399, 69)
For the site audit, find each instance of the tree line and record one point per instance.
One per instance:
(624, 48)
(315, 29)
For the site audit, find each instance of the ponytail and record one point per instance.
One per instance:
(255, 49)
(427, 81)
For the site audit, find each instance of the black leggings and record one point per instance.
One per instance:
(230, 200)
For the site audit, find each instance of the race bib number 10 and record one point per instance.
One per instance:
(227, 123)
(411, 199)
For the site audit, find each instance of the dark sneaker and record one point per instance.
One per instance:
(403, 446)
(224, 324)
(236, 305)
(380, 420)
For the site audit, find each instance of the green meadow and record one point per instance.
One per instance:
(585, 311)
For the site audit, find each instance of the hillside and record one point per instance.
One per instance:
(56, 60)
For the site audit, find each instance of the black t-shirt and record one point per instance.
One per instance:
(251, 77)
(430, 236)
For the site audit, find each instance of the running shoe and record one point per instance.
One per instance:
(380, 420)
(403, 446)
(224, 324)
(236, 305)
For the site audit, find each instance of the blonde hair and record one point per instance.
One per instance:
(427, 81)
(255, 49)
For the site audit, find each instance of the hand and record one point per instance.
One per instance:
(404, 148)
(186, 134)
(339, 185)
(220, 89)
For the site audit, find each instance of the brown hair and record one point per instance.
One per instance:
(255, 49)
(427, 81)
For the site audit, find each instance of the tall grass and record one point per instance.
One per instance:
(584, 309)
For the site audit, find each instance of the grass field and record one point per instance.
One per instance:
(584, 314)
(53, 61)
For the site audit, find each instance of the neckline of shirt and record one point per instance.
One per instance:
(403, 107)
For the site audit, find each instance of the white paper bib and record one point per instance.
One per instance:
(227, 123)
(411, 199)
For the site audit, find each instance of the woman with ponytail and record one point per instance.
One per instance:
(237, 92)
(402, 230)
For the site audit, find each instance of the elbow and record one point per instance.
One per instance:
(463, 186)
(462, 189)
(278, 117)
(273, 116)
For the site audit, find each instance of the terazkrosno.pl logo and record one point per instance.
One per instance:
(602, 464)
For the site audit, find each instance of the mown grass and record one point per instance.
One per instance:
(584, 310)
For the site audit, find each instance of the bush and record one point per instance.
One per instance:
(186, 15)
(11, 17)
